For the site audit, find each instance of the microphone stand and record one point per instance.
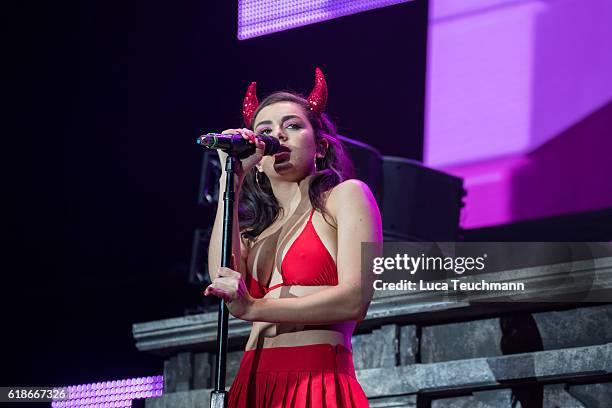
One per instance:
(218, 397)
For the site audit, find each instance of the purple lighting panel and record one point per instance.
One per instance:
(112, 394)
(261, 17)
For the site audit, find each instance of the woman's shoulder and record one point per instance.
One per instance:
(351, 193)
(351, 188)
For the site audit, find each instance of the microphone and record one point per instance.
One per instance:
(237, 145)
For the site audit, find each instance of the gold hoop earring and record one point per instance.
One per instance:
(257, 178)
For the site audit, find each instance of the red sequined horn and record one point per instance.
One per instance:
(318, 97)
(250, 104)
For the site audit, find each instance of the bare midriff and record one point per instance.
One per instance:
(270, 335)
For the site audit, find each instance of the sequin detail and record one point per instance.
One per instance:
(250, 104)
(318, 97)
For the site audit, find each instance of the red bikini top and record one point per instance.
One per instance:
(307, 263)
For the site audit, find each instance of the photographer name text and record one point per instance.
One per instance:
(452, 284)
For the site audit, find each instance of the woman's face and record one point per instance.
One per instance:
(287, 122)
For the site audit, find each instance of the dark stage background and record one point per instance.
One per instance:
(101, 171)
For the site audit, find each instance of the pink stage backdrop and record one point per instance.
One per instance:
(517, 104)
(260, 17)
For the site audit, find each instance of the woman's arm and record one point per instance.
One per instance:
(358, 219)
(242, 167)
(214, 247)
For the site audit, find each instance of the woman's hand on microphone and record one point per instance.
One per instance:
(247, 163)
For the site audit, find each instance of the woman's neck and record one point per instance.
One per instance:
(290, 193)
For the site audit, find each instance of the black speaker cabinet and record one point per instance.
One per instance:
(419, 203)
(367, 162)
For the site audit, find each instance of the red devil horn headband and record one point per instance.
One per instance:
(250, 104)
(316, 100)
(318, 97)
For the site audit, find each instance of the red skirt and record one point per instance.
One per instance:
(315, 376)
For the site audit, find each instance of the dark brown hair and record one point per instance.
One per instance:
(258, 207)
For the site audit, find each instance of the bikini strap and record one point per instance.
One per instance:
(275, 286)
(311, 214)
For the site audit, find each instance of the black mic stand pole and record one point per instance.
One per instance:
(218, 397)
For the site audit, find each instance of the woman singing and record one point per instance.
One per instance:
(297, 257)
